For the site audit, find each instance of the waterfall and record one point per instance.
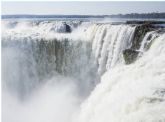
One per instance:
(130, 93)
(53, 67)
(147, 40)
(108, 44)
(37, 58)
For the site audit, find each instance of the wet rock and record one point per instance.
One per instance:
(130, 55)
(139, 34)
(154, 100)
(160, 92)
(60, 28)
(67, 28)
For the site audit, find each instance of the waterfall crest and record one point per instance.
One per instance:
(114, 71)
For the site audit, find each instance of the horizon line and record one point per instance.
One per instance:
(79, 14)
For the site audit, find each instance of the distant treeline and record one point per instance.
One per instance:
(132, 15)
(136, 15)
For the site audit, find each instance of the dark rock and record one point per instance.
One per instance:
(139, 34)
(67, 28)
(130, 55)
(145, 22)
(159, 92)
(154, 100)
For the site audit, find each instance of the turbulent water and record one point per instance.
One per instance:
(69, 71)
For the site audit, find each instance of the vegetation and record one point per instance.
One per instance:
(142, 15)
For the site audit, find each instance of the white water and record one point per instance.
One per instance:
(108, 44)
(51, 86)
(133, 93)
(150, 36)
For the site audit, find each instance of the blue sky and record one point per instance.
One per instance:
(82, 8)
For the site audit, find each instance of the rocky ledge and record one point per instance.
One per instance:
(130, 55)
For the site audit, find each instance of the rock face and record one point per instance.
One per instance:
(67, 28)
(139, 34)
(61, 28)
(130, 55)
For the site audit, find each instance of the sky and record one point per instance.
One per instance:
(81, 8)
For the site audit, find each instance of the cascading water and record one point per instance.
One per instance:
(50, 67)
(131, 93)
(109, 42)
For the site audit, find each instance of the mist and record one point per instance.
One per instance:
(55, 101)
